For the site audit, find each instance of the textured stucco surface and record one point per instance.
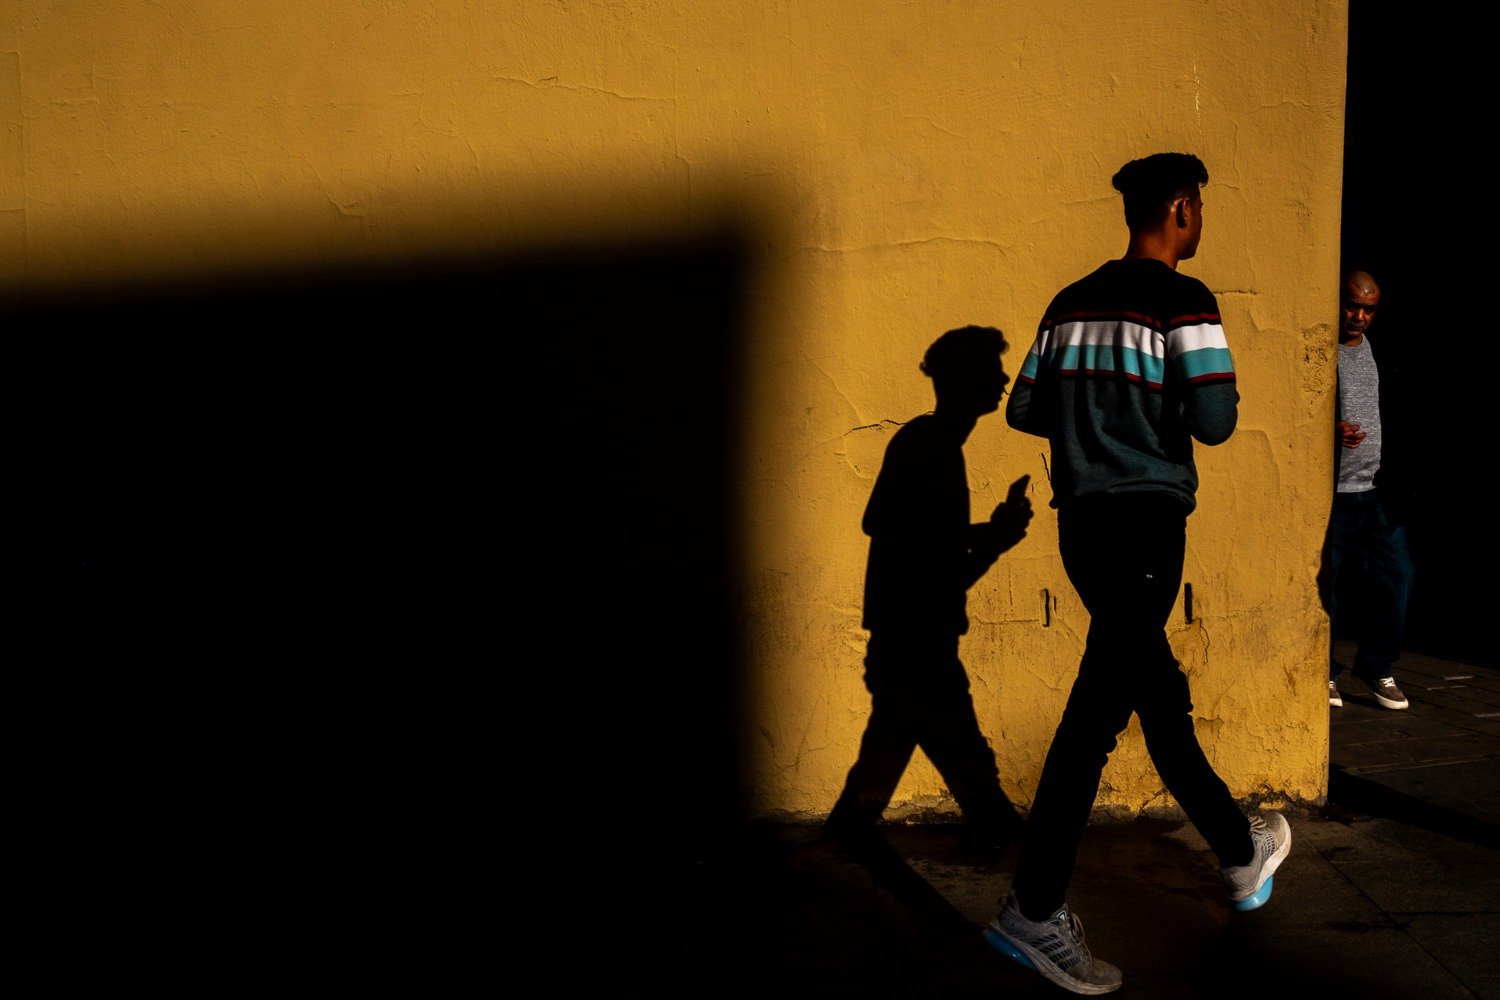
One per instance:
(914, 167)
(972, 181)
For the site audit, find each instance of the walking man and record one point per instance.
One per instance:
(1129, 367)
(1366, 534)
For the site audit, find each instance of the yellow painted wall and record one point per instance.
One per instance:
(911, 167)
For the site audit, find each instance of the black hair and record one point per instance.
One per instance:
(1152, 183)
(959, 351)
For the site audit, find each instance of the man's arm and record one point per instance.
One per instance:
(1199, 353)
(1027, 410)
(1005, 528)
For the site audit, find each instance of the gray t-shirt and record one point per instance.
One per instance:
(1359, 402)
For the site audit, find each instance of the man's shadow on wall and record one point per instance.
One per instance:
(924, 555)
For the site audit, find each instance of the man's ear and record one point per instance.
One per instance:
(1182, 213)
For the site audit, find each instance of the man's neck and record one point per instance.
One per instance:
(1152, 246)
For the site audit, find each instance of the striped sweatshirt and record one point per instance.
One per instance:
(1129, 367)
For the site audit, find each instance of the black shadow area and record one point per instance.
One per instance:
(349, 562)
(1352, 794)
(1404, 68)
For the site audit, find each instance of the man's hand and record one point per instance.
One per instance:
(1350, 435)
(1011, 516)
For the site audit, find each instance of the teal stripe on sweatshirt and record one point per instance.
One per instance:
(1108, 358)
(1206, 361)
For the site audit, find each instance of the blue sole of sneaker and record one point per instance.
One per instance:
(998, 942)
(1258, 897)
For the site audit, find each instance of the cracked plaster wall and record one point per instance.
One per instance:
(963, 180)
(924, 166)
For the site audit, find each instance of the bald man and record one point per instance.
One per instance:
(1366, 537)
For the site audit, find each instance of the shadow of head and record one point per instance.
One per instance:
(966, 371)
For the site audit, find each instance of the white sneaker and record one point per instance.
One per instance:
(1387, 693)
(1250, 885)
(1054, 947)
(1334, 698)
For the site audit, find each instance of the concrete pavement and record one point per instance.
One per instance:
(1391, 891)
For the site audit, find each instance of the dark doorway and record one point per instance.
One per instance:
(1415, 218)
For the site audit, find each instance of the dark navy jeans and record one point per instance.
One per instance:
(1123, 554)
(1369, 552)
